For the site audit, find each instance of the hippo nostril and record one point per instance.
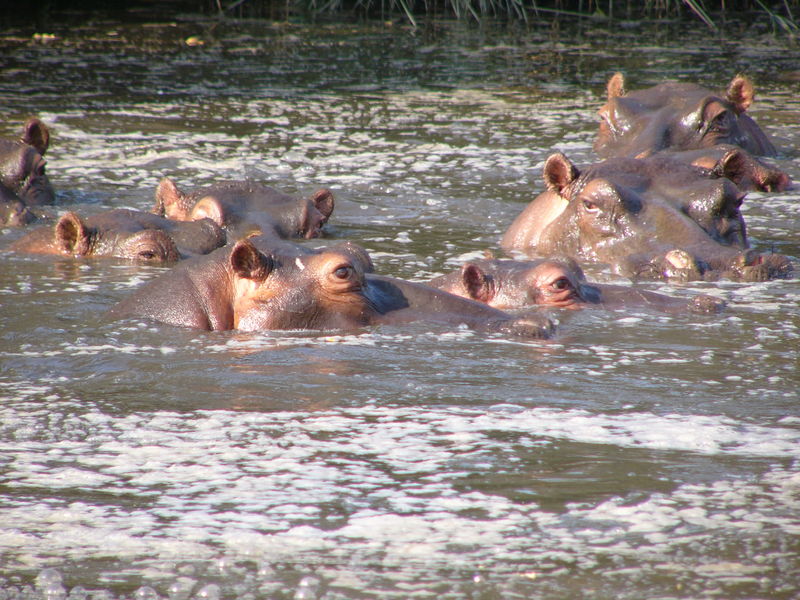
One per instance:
(749, 258)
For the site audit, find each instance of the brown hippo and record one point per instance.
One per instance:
(13, 211)
(678, 116)
(245, 207)
(123, 233)
(513, 284)
(241, 287)
(731, 162)
(23, 181)
(646, 218)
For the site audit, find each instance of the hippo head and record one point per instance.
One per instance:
(324, 290)
(744, 169)
(510, 284)
(22, 165)
(123, 233)
(648, 220)
(13, 212)
(76, 237)
(244, 208)
(677, 116)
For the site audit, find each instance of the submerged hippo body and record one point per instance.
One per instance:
(514, 284)
(123, 233)
(243, 208)
(241, 287)
(678, 116)
(23, 181)
(645, 218)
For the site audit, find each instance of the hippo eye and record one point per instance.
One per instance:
(343, 272)
(721, 123)
(146, 255)
(562, 283)
(590, 206)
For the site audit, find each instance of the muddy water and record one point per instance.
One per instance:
(635, 455)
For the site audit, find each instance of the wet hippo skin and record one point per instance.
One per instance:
(23, 180)
(678, 116)
(123, 233)
(645, 218)
(558, 283)
(243, 208)
(241, 287)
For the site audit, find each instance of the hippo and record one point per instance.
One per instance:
(678, 116)
(242, 287)
(13, 211)
(646, 218)
(731, 162)
(242, 208)
(123, 233)
(558, 283)
(23, 181)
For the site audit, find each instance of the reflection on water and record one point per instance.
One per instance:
(635, 455)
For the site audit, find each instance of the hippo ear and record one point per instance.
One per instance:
(559, 172)
(170, 201)
(731, 165)
(249, 262)
(478, 284)
(323, 201)
(36, 134)
(208, 208)
(741, 93)
(615, 86)
(71, 236)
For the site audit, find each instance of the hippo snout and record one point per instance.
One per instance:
(752, 266)
(532, 325)
(18, 215)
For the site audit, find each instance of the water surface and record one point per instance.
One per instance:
(635, 455)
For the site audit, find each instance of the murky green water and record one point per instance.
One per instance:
(637, 455)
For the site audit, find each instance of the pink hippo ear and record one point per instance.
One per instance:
(479, 285)
(741, 93)
(71, 236)
(747, 171)
(208, 208)
(249, 262)
(36, 134)
(732, 165)
(559, 172)
(615, 86)
(316, 213)
(323, 201)
(170, 201)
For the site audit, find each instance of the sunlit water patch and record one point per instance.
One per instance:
(400, 489)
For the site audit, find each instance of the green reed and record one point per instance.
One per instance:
(781, 13)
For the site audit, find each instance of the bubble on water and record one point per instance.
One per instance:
(54, 592)
(265, 571)
(307, 588)
(181, 588)
(78, 593)
(223, 564)
(49, 583)
(146, 593)
(47, 577)
(209, 592)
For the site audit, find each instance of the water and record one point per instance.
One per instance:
(635, 455)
